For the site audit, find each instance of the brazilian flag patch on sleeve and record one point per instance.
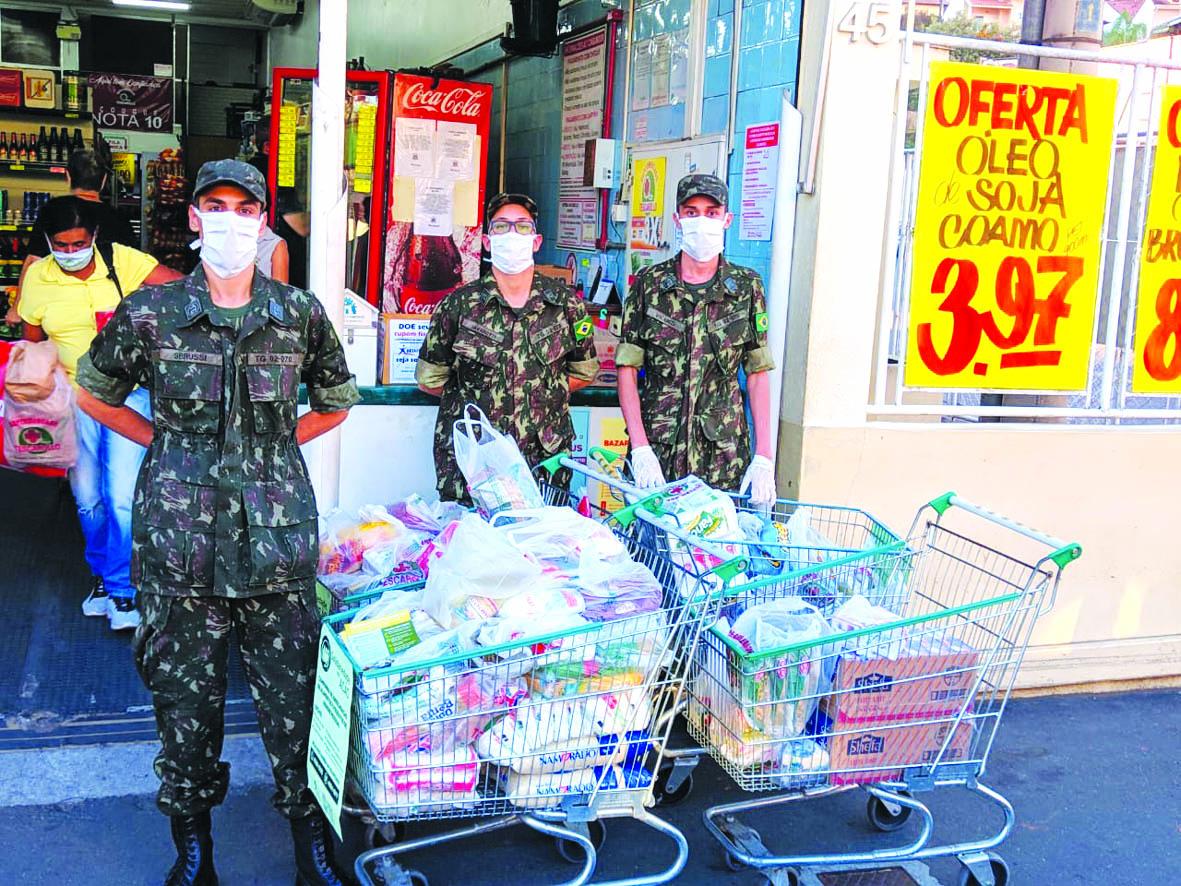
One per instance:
(583, 329)
(761, 321)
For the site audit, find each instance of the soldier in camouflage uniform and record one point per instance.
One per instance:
(514, 342)
(224, 520)
(689, 324)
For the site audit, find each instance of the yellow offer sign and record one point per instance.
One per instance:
(1008, 228)
(1157, 367)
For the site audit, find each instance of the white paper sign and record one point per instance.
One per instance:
(404, 335)
(455, 149)
(642, 76)
(434, 203)
(332, 717)
(759, 166)
(414, 148)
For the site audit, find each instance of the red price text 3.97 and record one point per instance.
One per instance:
(1032, 300)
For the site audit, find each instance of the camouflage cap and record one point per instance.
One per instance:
(231, 172)
(506, 199)
(699, 185)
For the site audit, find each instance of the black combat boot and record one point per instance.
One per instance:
(194, 851)
(314, 865)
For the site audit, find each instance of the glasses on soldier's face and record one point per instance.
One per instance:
(504, 225)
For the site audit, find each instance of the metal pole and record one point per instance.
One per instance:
(326, 245)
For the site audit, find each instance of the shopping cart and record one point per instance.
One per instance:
(558, 732)
(899, 699)
(830, 554)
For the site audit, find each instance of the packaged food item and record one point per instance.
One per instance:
(566, 735)
(415, 780)
(617, 587)
(538, 790)
(376, 640)
(345, 540)
(803, 763)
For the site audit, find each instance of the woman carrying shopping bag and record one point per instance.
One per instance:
(67, 297)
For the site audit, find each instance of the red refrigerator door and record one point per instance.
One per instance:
(438, 162)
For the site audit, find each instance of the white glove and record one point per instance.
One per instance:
(760, 480)
(645, 468)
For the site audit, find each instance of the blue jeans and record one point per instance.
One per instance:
(103, 482)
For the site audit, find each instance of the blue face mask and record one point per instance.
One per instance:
(72, 261)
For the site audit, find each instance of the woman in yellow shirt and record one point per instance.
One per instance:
(66, 297)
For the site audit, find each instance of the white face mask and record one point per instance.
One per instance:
(512, 253)
(72, 261)
(703, 237)
(229, 242)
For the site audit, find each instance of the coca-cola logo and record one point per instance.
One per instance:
(459, 101)
(411, 305)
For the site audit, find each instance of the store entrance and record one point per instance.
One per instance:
(66, 678)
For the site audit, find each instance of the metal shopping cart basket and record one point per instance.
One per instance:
(897, 698)
(822, 553)
(557, 732)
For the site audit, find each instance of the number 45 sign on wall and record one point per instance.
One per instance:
(1008, 229)
(1157, 368)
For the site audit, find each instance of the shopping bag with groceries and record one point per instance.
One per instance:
(39, 433)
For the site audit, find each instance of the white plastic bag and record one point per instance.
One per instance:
(497, 476)
(779, 694)
(480, 567)
(40, 433)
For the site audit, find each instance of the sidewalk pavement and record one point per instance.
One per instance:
(1093, 779)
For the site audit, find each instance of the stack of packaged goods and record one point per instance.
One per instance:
(517, 668)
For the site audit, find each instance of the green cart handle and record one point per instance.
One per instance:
(1062, 553)
(609, 456)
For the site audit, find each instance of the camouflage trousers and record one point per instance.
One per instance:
(181, 650)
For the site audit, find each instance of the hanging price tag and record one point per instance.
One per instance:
(1008, 229)
(1157, 367)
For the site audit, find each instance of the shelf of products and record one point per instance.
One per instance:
(167, 212)
(81, 116)
(18, 167)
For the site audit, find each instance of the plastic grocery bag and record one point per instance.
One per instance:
(479, 567)
(5, 352)
(780, 693)
(496, 473)
(558, 537)
(41, 433)
(31, 371)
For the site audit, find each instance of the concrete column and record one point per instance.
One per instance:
(326, 247)
(1072, 24)
(839, 229)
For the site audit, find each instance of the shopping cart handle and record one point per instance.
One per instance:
(608, 456)
(1062, 554)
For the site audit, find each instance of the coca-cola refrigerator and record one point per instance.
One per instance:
(438, 162)
(366, 154)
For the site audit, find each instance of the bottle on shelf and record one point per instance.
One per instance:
(11, 149)
(54, 147)
(42, 146)
(3, 145)
(78, 144)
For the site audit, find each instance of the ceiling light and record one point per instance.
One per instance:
(169, 5)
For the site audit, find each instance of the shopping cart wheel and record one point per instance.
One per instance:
(661, 793)
(883, 817)
(572, 852)
(378, 835)
(389, 873)
(734, 864)
(1000, 873)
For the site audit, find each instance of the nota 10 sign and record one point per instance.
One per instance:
(1008, 229)
(1157, 367)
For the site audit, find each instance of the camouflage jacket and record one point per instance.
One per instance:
(223, 506)
(514, 364)
(689, 341)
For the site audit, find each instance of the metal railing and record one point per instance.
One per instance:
(1109, 399)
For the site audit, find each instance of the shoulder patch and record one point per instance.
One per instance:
(667, 282)
(583, 329)
(761, 322)
(193, 308)
(731, 285)
(275, 309)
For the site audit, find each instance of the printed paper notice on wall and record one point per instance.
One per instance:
(760, 162)
(455, 148)
(414, 148)
(434, 203)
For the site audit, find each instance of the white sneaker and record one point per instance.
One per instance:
(97, 602)
(123, 614)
